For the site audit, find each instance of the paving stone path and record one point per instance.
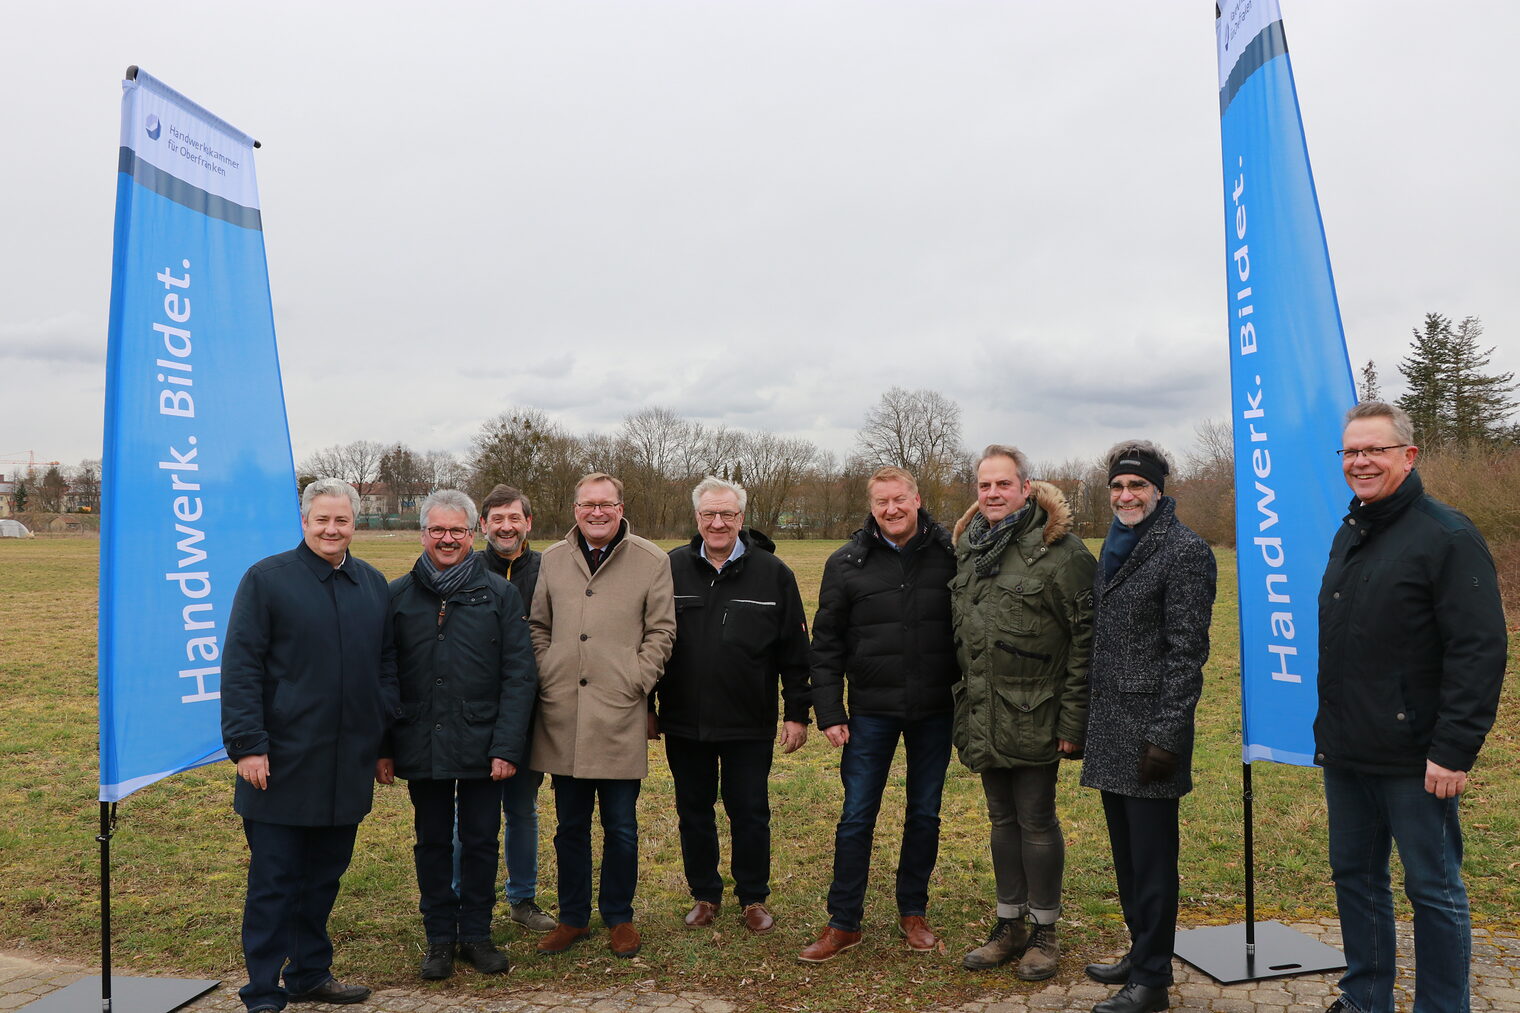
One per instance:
(1496, 989)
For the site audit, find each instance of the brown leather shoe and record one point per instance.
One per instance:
(921, 938)
(562, 938)
(625, 940)
(831, 944)
(757, 919)
(701, 914)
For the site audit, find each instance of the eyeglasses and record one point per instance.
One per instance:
(457, 534)
(592, 508)
(1370, 453)
(729, 516)
(1136, 487)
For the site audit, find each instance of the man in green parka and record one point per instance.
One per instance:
(1022, 607)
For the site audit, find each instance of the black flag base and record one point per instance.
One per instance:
(128, 995)
(1280, 952)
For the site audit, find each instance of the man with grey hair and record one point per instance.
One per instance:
(1153, 602)
(1022, 596)
(308, 690)
(1412, 651)
(468, 683)
(739, 629)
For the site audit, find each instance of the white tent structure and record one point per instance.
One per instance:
(13, 529)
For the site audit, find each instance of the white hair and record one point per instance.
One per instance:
(329, 487)
(714, 484)
(448, 499)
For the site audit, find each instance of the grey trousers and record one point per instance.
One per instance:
(1028, 851)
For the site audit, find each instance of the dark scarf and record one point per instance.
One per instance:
(989, 541)
(1121, 540)
(446, 582)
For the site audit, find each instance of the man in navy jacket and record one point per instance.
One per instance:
(308, 690)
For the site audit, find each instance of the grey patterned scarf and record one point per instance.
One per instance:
(989, 541)
(446, 582)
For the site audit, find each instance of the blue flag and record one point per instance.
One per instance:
(197, 476)
(1290, 381)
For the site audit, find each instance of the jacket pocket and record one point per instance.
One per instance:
(750, 625)
(1017, 606)
(1024, 723)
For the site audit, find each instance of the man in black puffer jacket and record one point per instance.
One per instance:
(468, 682)
(883, 625)
(739, 627)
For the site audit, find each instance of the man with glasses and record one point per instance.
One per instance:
(603, 622)
(1411, 659)
(1152, 605)
(1022, 596)
(467, 688)
(740, 628)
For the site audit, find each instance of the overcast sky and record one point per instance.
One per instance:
(756, 213)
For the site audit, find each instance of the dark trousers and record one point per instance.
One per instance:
(743, 769)
(1142, 832)
(574, 800)
(448, 915)
(293, 875)
(864, 765)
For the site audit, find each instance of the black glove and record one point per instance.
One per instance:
(1157, 764)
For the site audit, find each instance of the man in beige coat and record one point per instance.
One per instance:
(603, 624)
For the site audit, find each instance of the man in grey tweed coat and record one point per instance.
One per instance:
(1152, 603)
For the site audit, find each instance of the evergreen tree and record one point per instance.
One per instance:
(1425, 372)
(1370, 390)
(1480, 404)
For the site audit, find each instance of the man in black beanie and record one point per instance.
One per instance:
(1152, 602)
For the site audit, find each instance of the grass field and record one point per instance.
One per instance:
(178, 855)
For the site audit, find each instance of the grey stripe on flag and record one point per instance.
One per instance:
(192, 197)
(1269, 43)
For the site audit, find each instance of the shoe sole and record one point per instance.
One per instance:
(530, 928)
(549, 953)
(980, 965)
(759, 932)
(1035, 977)
(831, 956)
(629, 954)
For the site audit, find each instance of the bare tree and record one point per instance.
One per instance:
(919, 430)
(51, 491)
(357, 463)
(84, 481)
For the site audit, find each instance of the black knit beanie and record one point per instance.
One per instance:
(1134, 461)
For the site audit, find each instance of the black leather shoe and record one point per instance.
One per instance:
(1116, 973)
(438, 964)
(483, 955)
(1133, 998)
(332, 990)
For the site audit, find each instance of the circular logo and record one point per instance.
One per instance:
(153, 126)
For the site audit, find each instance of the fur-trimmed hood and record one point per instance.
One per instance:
(1048, 498)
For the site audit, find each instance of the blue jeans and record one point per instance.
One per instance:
(519, 808)
(574, 800)
(1368, 813)
(863, 767)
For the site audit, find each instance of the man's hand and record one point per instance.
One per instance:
(385, 770)
(502, 769)
(837, 735)
(1066, 747)
(793, 735)
(1157, 764)
(1443, 783)
(653, 725)
(255, 770)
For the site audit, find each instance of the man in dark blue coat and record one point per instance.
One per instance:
(308, 690)
(468, 682)
(1411, 660)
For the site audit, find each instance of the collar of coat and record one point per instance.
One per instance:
(752, 539)
(1365, 518)
(1049, 499)
(1159, 523)
(867, 537)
